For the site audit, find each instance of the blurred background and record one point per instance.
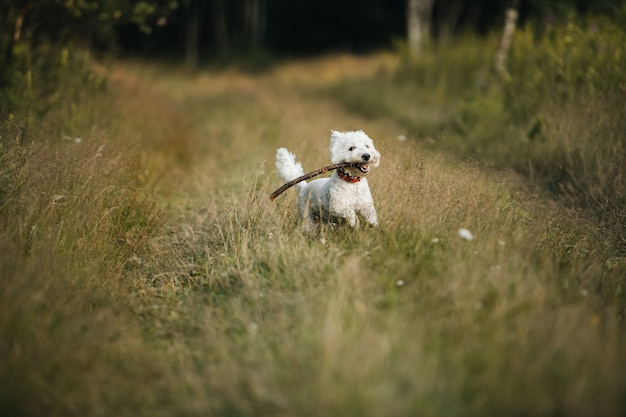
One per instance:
(199, 31)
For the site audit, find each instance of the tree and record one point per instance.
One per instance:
(220, 25)
(419, 14)
(39, 39)
(254, 22)
(507, 37)
(192, 33)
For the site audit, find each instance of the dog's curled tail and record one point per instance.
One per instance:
(288, 168)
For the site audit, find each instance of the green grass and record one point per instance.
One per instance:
(165, 282)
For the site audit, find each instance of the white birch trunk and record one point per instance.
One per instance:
(505, 42)
(418, 24)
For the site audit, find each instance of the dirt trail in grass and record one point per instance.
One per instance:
(231, 123)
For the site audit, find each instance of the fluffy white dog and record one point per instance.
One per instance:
(346, 193)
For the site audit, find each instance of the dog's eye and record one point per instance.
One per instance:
(367, 146)
(351, 148)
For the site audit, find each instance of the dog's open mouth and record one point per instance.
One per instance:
(364, 168)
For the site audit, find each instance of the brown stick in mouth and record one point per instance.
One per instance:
(306, 177)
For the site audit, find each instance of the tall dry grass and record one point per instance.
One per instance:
(407, 319)
(557, 116)
(77, 210)
(165, 282)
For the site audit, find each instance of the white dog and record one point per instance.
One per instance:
(346, 193)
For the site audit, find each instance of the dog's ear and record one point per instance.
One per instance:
(336, 141)
(376, 155)
(377, 159)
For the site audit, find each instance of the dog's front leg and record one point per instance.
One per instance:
(369, 213)
(348, 215)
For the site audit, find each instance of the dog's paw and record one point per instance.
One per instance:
(352, 219)
(371, 218)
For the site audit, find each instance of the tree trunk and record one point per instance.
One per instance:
(13, 17)
(419, 15)
(507, 37)
(254, 18)
(192, 34)
(220, 23)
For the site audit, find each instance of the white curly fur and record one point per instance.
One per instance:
(334, 199)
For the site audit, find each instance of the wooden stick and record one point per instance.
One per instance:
(306, 177)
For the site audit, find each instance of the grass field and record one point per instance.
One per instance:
(144, 270)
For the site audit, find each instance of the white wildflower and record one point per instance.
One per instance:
(465, 234)
(71, 139)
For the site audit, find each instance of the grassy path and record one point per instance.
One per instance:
(229, 309)
(408, 319)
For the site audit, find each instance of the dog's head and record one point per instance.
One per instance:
(356, 148)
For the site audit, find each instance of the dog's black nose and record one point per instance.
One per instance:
(365, 156)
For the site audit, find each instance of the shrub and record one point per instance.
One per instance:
(558, 116)
(568, 85)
